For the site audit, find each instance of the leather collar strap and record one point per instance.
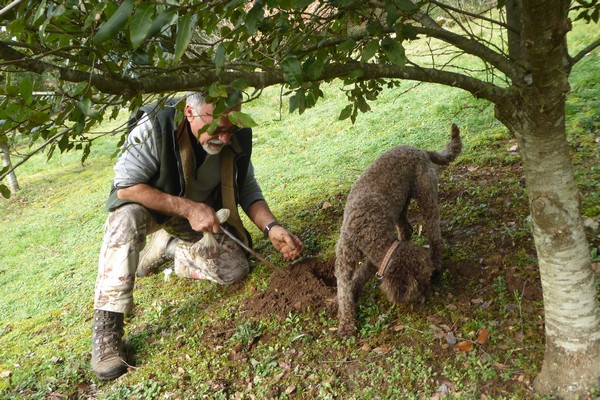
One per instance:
(386, 260)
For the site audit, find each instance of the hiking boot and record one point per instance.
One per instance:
(159, 250)
(108, 356)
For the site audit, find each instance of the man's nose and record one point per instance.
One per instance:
(224, 136)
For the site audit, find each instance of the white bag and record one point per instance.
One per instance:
(208, 247)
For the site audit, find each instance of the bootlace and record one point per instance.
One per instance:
(108, 331)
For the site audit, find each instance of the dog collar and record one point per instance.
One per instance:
(386, 260)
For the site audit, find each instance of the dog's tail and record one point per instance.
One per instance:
(450, 152)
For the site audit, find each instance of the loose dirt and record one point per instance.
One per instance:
(308, 284)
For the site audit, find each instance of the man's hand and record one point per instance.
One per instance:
(202, 218)
(289, 245)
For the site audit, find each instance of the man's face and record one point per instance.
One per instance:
(212, 144)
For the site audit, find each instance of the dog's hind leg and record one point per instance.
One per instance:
(427, 198)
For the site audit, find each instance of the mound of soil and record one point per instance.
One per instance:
(309, 284)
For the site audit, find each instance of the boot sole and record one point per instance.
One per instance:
(111, 375)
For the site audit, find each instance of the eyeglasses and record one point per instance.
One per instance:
(219, 130)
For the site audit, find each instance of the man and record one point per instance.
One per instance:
(169, 180)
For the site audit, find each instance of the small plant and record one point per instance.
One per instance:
(247, 332)
(595, 254)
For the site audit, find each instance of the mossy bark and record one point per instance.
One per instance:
(535, 113)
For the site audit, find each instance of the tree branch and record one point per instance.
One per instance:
(511, 70)
(469, 14)
(575, 59)
(34, 152)
(111, 85)
(10, 6)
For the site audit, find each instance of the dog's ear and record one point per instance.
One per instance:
(408, 277)
(401, 291)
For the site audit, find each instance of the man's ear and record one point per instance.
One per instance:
(187, 111)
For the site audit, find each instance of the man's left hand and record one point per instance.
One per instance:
(289, 245)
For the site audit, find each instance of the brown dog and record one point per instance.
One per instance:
(375, 218)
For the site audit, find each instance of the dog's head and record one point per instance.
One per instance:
(408, 275)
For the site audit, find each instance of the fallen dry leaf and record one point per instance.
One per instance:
(326, 205)
(397, 328)
(290, 389)
(483, 335)
(464, 346)
(82, 388)
(439, 334)
(500, 365)
(382, 349)
(5, 374)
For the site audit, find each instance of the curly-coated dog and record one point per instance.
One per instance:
(375, 228)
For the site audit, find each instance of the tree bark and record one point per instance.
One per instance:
(535, 114)
(13, 184)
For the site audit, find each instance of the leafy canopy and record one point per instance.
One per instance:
(69, 64)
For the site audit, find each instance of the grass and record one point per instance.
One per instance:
(190, 339)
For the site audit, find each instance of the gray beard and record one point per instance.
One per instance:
(211, 150)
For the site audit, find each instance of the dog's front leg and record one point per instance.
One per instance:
(346, 303)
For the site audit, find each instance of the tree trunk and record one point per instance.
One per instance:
(13, 184)
(535, 114)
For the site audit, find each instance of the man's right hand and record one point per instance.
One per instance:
(202, 218)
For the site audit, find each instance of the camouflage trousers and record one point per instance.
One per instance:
(125, 234)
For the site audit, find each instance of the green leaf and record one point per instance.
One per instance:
(86, 107)
(185, 29)
(314, 68)
(346, 46)
(298, 102)
(346, 112)
(115, 23)
(39, 117)
(16, 27)
(26, 89)
(241, 119)
(219, 58)
(140, 24)
(4, 190)
(12, 91)
(369, 50)
(254, 17)
(217, 90)
(356, 73)
(362, 104)
(394, 51)
(409, 32)
(166, 17)
(374, 28)
(140, 57)
(240, 84)
(292, 72)
(406, 6)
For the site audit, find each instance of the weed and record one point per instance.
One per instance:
(247, 332)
